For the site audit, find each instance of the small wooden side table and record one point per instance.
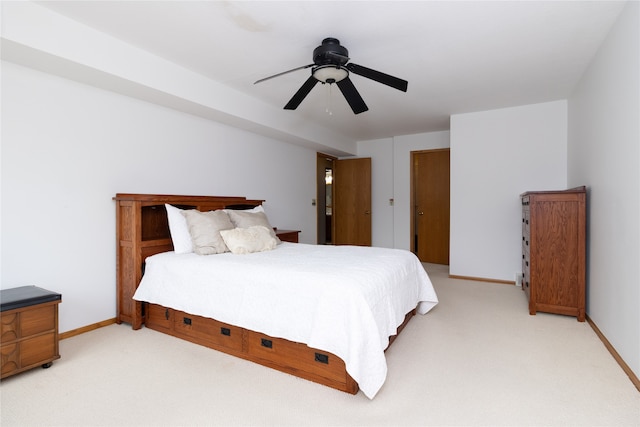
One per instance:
(288, 235)
(28, 329)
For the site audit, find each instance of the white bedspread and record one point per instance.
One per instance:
(346, 300)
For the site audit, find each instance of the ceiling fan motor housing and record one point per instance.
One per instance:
(330, 53)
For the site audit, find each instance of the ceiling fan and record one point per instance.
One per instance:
(331, 65)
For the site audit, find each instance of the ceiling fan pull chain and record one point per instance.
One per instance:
(329, 101)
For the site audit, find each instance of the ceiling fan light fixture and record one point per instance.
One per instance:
(330, 73)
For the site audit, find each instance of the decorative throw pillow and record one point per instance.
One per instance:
(258, 208)
(179, 230)
(248, 240)
(243, 219)
(204, 228)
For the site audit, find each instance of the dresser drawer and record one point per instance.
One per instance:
(295, 356)
(34, 350)
(37, 320)
(30, 321)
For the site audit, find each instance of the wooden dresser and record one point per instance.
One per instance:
(29, 329)
(554, 251)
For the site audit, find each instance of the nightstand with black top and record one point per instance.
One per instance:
(28, 329)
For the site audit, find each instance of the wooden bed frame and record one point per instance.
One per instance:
(142, 230)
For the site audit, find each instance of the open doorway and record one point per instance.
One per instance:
(324, 198)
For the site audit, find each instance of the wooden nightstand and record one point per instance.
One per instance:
(28, 329)
(288, 235)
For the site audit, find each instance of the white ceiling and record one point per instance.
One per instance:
(457, 56)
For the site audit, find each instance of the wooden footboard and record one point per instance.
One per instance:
(291, 357)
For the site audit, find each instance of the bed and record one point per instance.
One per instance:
(282, 307)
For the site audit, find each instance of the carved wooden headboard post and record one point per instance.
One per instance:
(142, 230)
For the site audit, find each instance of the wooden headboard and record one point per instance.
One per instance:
(142, 230)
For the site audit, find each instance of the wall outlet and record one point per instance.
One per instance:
(519, 280)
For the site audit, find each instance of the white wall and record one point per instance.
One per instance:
(604, 141)
(37, 37)
(391, 179)
(67, 148)
(495, 156)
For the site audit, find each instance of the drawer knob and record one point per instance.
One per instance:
(225, 331)
(266, 343)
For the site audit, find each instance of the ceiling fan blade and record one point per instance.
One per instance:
(383, 78)
(284, 72)
(301, 93)
(352, 96)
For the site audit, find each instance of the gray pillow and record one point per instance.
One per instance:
(204, 228)
(244, 219)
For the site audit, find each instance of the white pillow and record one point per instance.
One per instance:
(179, 230)
(256, 238)
(204, 228)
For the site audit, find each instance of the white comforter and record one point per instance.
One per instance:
(346, 300)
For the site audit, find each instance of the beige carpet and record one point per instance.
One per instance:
(477, 359)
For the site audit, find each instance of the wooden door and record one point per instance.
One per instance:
(352, 204)
(431, 205)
